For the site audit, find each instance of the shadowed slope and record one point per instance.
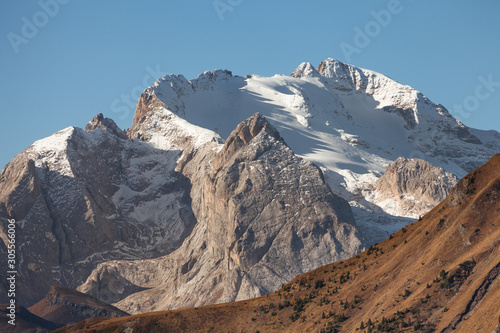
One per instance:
(64, 306)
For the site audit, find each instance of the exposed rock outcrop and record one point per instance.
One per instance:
(305, 69)
(106, 124)
(412, 187)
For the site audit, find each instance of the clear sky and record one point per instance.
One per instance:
(64, 61)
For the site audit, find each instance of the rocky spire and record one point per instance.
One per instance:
(246, 131)
(106, 124)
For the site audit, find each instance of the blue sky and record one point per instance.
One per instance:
(64, 61)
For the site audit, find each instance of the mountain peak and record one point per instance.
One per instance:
(223, 74)
(64, 305)
(332, 68)
(246, 131)
(251, 127)
(106, 124)
(305, 69)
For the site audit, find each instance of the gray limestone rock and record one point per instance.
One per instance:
(263, 215)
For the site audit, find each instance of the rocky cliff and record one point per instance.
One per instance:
(412, 187)
(80, 198)
(263, 216)
(234, 220)
(439, 274)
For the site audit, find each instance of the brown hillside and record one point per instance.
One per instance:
(66, 306)
(440, 273)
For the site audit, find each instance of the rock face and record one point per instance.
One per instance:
(305, 69)
(105, 124)
(263, 216)
(156, 124)
(80, 198)
(65, 306)
(250, 215)
(416, 186)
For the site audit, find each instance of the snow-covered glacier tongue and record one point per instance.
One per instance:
(351, 122)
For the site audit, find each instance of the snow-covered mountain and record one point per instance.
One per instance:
(323, 114)
(225, 221)
(83, 197)
(349, 121)
(211, 195)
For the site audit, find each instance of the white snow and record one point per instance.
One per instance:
(55, 142)
(51, 151)
(161, 131)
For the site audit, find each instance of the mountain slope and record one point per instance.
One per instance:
(25, 321)
(440, 274)
(62, 306)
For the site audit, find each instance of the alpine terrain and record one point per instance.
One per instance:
(226, 187)
(438, 274)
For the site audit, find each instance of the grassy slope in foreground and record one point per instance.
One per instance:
(437, 274)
